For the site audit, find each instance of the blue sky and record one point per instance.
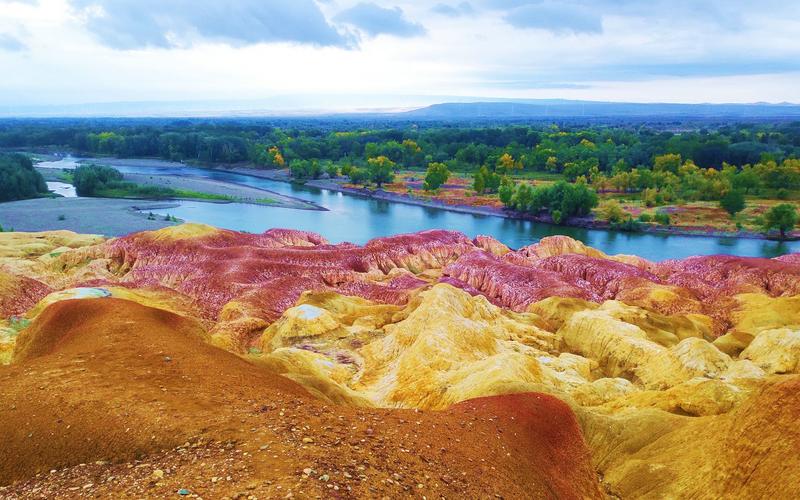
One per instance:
(343, 54)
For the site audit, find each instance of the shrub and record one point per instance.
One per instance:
(652, 198)
(628, 225)
(645, 217)
(611, 211)
(662, 218)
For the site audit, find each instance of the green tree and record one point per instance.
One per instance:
(89, 180)
(523, 198)
(486, 181)
(359, 175)
(568, 199)
(667, 163)
(733, 202)
(381, 170)
(782, 217)
(437, 174)
(479, 180)
(305, 169)
(18, 179)
(747, 179)
(506, 191)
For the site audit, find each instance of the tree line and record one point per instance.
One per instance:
(570, 150)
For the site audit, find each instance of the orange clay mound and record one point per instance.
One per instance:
(107, 397)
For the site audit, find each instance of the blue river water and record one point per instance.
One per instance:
(357, 220)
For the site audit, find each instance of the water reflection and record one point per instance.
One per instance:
(358, 219)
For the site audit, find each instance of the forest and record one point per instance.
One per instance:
(515, 163)
(567, 148)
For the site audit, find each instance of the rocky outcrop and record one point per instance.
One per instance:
(775, 351)
(691, 358)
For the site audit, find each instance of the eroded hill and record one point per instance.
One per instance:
(426, 363)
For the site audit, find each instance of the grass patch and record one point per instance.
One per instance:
(133, 190)
(539, 176)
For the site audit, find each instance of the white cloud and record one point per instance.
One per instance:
(649, 51)
(129, 24)
(375, 20)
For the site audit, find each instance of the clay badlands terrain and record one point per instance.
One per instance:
(199, 362)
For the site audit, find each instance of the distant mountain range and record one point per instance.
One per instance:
(552, 108)
(370, 108)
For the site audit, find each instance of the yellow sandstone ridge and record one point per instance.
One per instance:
(775, 351)
(551, 246)
(181, 232)
(447, 346)
(20, 245)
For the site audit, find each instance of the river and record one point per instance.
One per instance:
(357, 220)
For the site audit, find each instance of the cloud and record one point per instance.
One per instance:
(132, 24)
(10, 43)
(585, 16)
(375, 20)
(558, 18)
(462, 9)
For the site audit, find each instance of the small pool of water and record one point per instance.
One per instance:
(62, 188)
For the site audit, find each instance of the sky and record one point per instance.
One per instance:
(359, 55)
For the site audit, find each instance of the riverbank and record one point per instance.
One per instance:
(106, 216)
(212, 190)
(578, 222)
(234, 192)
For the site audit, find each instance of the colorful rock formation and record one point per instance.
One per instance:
(645, 355)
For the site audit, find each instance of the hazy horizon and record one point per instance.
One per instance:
(299, 106)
